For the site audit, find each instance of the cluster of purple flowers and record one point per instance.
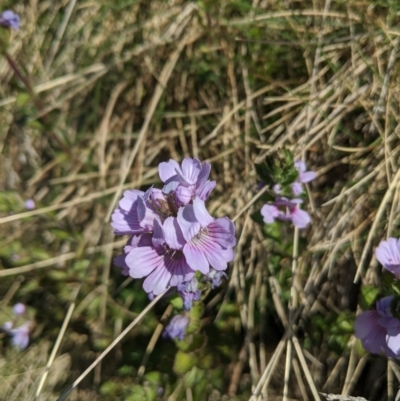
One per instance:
(379, 329)
(19, 335)
(172, 235)
(289, 209)
(9, 19)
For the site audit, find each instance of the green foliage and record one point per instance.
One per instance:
(183, 362)
(277, 168)
(368, 296)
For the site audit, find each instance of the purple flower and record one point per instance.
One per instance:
(277, 189)
(137, 211)
(29, 204)
(209, 241)
(291, 212)
(171, 233)
(188, 180)
(158, 257)
(215, 277)
(378, 330)
(303, 177)
(176, 327)
(388, 255)
(19, 335)
(9, 19)
(19, 309)
(189, 292)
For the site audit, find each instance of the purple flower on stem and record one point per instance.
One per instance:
(215, 277)
(378, 330)
(9, 19)
(303, 177)
(158, 257)
(176, 327)
(209, 241)
(188, 180)
(291, 212)
(388, 255)
(189, 292)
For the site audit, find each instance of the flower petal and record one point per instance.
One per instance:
(300, 218)
(173, 234)
(367, 329)
(158, 281)
(188, 222)
(196, 258)
(222, 231)
(269, 213)
(388, 254)
(201, 213)
(306, 176)
(142, 261)
(300, 166)
(297, 188)
(166, 170)
(393, 343)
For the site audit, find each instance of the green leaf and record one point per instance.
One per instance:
(154, 377)
(22, 99)
(177, 302)
(183, 362)
(193, 377)
(137, 394)
(207, 361)
(369, 294)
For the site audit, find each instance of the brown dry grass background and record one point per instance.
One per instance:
(125, 85)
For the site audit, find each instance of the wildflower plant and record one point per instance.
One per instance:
(285, 177)
(173, 240)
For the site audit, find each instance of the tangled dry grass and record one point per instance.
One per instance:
(123, 86)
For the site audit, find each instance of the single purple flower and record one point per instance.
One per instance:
(176, 328)
(9, 19)
(388, 255)
(159, 258)
(192, 175)
(303, 177)
(209, 241)
(20, 335)
(19, 309)
(29, 204)
(189, 292)
(215, 277)
(378, 330)
(291, 212)
(277, 189)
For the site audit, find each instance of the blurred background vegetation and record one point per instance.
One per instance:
(121, 86)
